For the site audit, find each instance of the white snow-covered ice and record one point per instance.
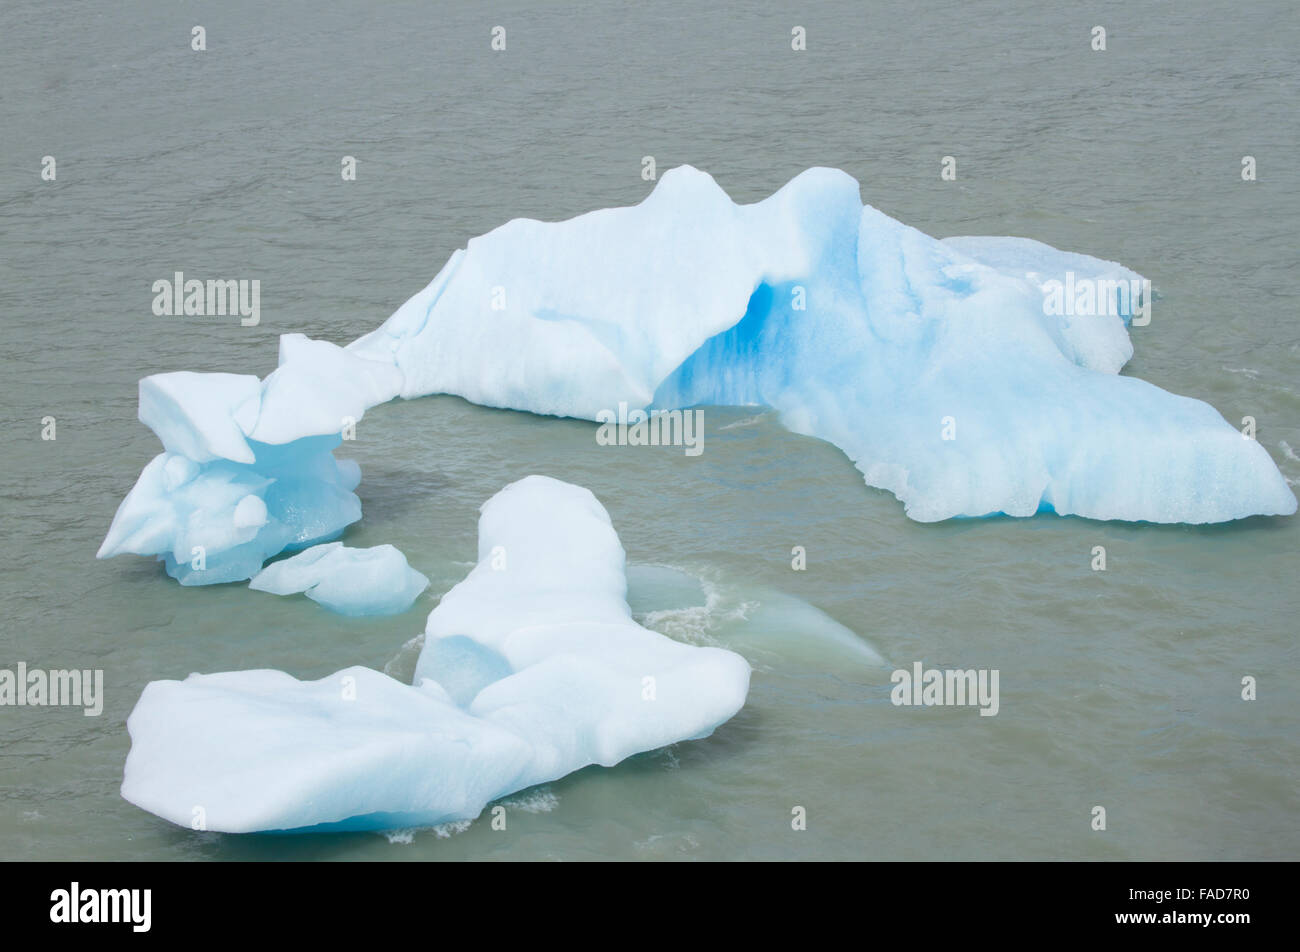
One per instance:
(374, 581)
(532, 668)
(937, 366)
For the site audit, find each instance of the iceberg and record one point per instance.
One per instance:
(939, 367)
(248, 469)
(532, 667)
(935, 365)
(374, 581)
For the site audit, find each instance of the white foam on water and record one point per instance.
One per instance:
(696, 624)
(747, 421)
(703, 609)
(445, 831)
(538, 800)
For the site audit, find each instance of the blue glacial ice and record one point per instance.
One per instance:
(350, 581)
(935, 365)
(532, 667)
(248, 468)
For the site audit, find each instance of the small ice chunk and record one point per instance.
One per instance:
(374, 581)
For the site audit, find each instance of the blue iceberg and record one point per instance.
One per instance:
(532, 668)
(940, 367)
(248, 469)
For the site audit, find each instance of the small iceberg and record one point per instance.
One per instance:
(248, 468)
(532, 668)
(374, 581)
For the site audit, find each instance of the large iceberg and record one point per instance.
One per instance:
(938, 366)
(532, 667)
(374, 581)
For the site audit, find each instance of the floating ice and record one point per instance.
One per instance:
(532, 668)
(374, 581)
(248, 469)
(938, 367)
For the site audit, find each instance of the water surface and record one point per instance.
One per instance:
(1119, 688)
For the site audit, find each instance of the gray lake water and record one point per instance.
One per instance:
(1119, 688)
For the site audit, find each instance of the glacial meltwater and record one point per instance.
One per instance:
(1119, 687)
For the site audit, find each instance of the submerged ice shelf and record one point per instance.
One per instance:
(532, 668)
(933, 364)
